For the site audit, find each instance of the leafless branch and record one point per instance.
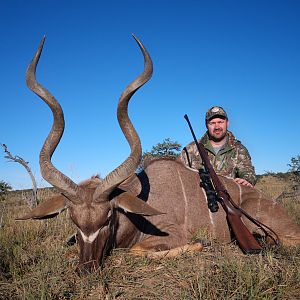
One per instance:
(33, 201)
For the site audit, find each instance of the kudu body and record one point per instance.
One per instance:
(160, 208)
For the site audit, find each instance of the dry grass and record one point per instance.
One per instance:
(36, 263)
(274, 186)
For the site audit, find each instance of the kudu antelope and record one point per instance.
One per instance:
(155, 211)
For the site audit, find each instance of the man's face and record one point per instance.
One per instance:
(217, 128)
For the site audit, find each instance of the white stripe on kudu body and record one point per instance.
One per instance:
(186, 204)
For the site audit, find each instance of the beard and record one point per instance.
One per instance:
(216, 137)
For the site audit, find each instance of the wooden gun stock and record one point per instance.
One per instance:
(245, 239)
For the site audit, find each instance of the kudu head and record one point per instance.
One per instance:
(89, 205)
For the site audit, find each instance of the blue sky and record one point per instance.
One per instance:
(242, 55)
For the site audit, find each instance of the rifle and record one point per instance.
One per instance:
(245, 239)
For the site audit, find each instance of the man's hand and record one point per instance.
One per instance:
(243, 182)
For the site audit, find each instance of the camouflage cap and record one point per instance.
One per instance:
(215, 111)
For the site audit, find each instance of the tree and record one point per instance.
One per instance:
(167, 148)
(295, 169)
(32, 202)
(295, 164)
(4, 188)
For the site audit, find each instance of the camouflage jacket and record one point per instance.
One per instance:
(232, 160)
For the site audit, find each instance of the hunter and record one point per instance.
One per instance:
(227, 154)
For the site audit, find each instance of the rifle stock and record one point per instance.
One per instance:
(245, 239)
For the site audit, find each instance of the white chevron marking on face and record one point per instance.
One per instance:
(89, 239)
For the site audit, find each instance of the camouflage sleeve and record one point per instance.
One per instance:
(244, 168)
(190, 156)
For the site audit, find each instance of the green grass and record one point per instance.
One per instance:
(36, 263)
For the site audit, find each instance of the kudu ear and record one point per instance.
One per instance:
(47, 209)
(133, 204)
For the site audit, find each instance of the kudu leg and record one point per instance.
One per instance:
(173, 244)
(188, 248)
